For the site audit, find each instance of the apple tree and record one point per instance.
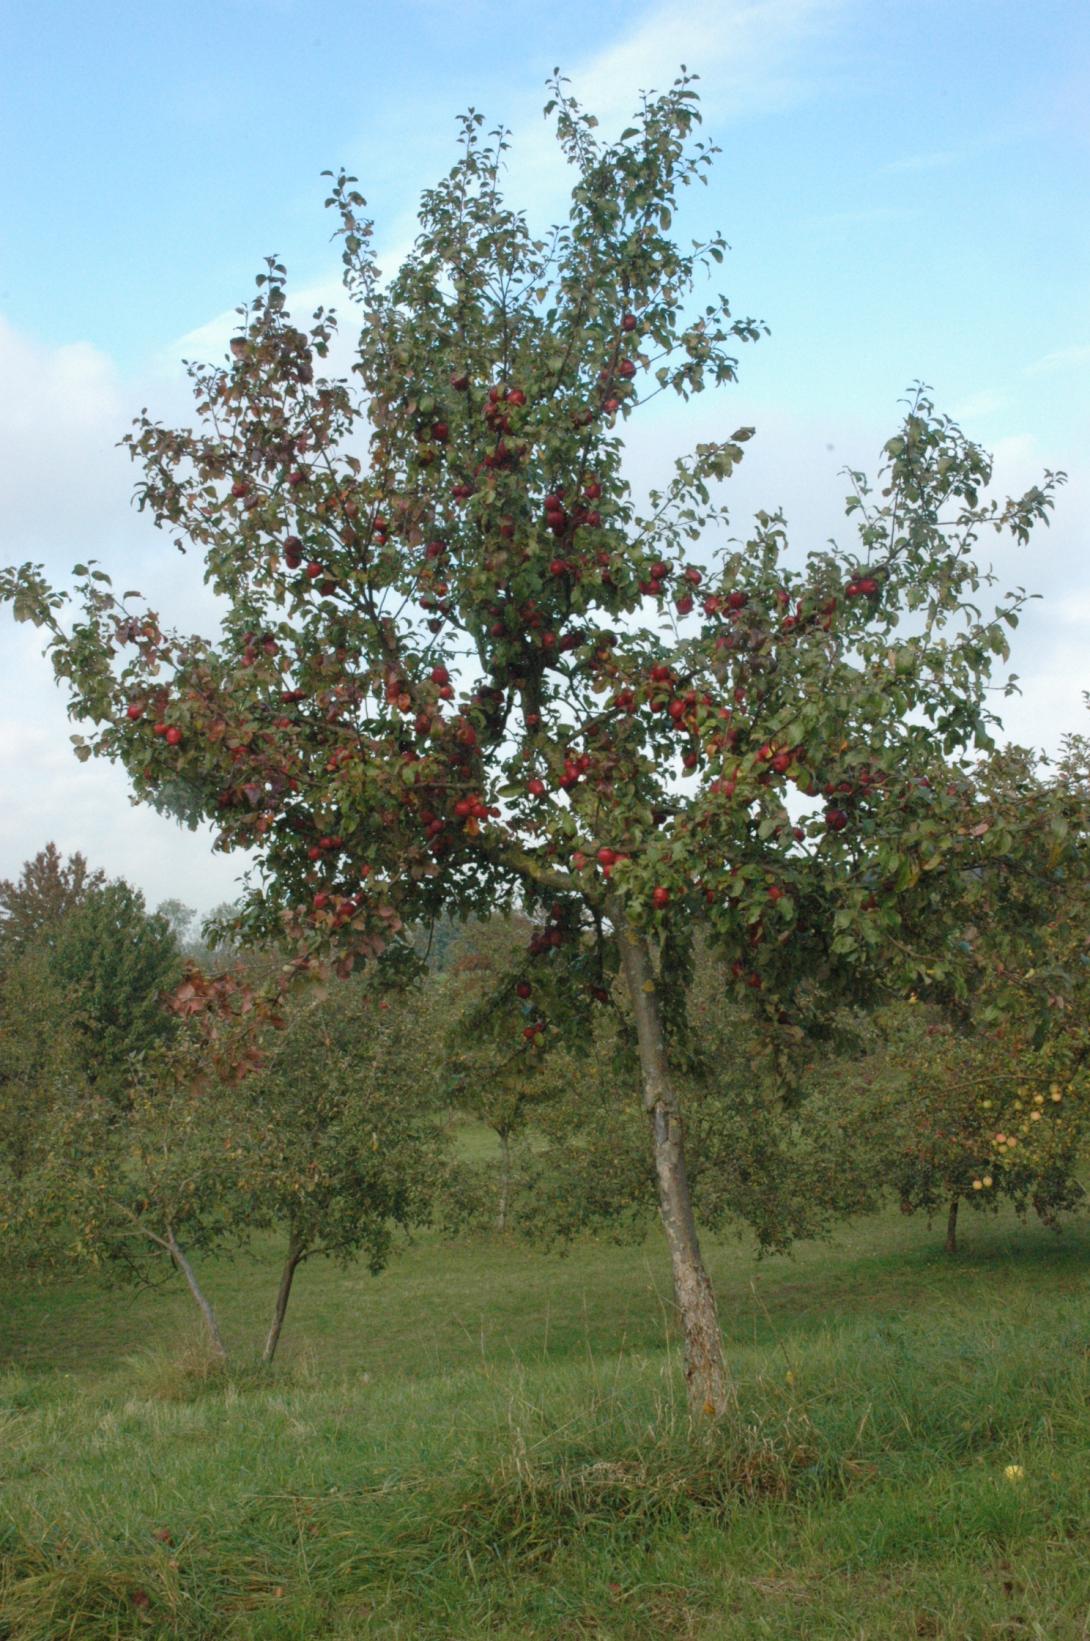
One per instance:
(128, 1200)
(334, 1140)
(464, 663)
(83, 974)
(996, 1073)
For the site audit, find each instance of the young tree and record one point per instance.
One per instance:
(41, 1059)
(463, 664)
(116, 963)
(37, 904)
(334, 1140)
(996, 1080)
(984, 1117)
(128, 1199)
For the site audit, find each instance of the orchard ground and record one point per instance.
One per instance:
(486, 1440)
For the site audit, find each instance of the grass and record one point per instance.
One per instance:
(487, 1442)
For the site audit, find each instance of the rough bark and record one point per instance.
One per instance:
(706, 1378)
(952, 1227)
(505, 1180)
(215, 1338)
(296, 1253)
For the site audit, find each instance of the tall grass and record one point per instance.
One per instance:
(460, 1449)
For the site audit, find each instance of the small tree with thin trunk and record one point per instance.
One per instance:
(464, 664)
(334, 1140)
(995, 1082)
(130, 1200)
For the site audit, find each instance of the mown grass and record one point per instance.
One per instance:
(488, 1442)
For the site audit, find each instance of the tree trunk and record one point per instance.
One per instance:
(705, 1369)
(952, 1227)
(296, 1252)
(505, 1180)
(218, 1347)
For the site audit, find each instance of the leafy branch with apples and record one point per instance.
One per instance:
(465, 664)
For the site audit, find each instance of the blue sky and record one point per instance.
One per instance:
(904, 188)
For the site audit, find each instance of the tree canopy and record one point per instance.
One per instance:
(465, 663)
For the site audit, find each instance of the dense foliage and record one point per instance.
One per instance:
(465, 664)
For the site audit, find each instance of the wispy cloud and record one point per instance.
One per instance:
(984, 403)
(862, 217)
(1060, 359)
(942, 159)
(752, 54)
(937, 160)
(753, 57)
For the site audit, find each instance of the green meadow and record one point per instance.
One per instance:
(490, 1441)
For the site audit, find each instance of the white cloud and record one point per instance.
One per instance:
(50, 796)
(61, 415)
(862, 217)
(66, 497)
(1071, 358)
(751, 56)
(208, 343)
(934, 161)
(986, 402)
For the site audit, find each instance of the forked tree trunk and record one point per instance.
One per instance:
(296, 1253)
(505, 1180)
(215, 1338)
(952, 1227)
(705, 1369)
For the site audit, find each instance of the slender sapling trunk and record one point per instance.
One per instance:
(203, 1305)
(296, 1253)
(952, 1227)
(505, 1179)
(706, 1379)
